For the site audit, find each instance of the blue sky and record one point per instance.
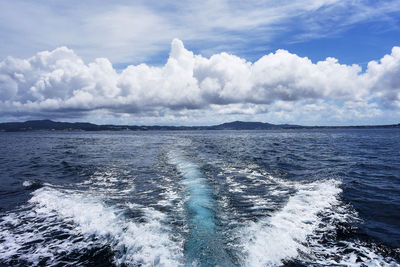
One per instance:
(129, 34)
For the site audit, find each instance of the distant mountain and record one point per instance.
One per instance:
(248, 125)
(37, 125)
(48, 125)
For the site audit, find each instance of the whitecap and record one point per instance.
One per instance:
(87, 222)
(296, 230)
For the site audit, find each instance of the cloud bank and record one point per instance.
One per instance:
(59, 84)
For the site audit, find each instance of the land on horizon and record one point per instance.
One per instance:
(43, 125)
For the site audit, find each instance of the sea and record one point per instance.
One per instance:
(323, 197)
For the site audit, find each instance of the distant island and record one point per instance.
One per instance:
(48, 125)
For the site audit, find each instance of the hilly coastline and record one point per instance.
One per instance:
(49, 125)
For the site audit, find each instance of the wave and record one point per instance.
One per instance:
(274, 221)
(32, 184)
(282, 236)
(297, 231)
(58, 223)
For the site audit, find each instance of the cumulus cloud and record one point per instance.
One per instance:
(59, 83)
(385, 78)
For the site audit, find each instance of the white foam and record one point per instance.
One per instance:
(23, 237)
(27, 183)
(295, 231)
(32, 184)
(250, 178)
(360, 256)
(283, 235)
(145, 244)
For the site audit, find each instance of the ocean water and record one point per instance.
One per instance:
(201, 198)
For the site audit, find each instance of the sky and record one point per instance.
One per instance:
(308, 62)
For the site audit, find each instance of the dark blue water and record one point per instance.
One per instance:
(203, 198)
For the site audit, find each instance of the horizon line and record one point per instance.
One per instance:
(208, 125)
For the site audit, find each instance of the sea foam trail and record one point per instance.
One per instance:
(304, 229)
(203, 246)
(282, 236)
(144, 244)
(296, 230)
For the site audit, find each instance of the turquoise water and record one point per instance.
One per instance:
(202, 245)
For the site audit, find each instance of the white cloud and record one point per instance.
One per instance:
(60, 84)
(385, 75)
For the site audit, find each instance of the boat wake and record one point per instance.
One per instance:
(238, 215)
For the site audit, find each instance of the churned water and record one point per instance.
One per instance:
(201, 198)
